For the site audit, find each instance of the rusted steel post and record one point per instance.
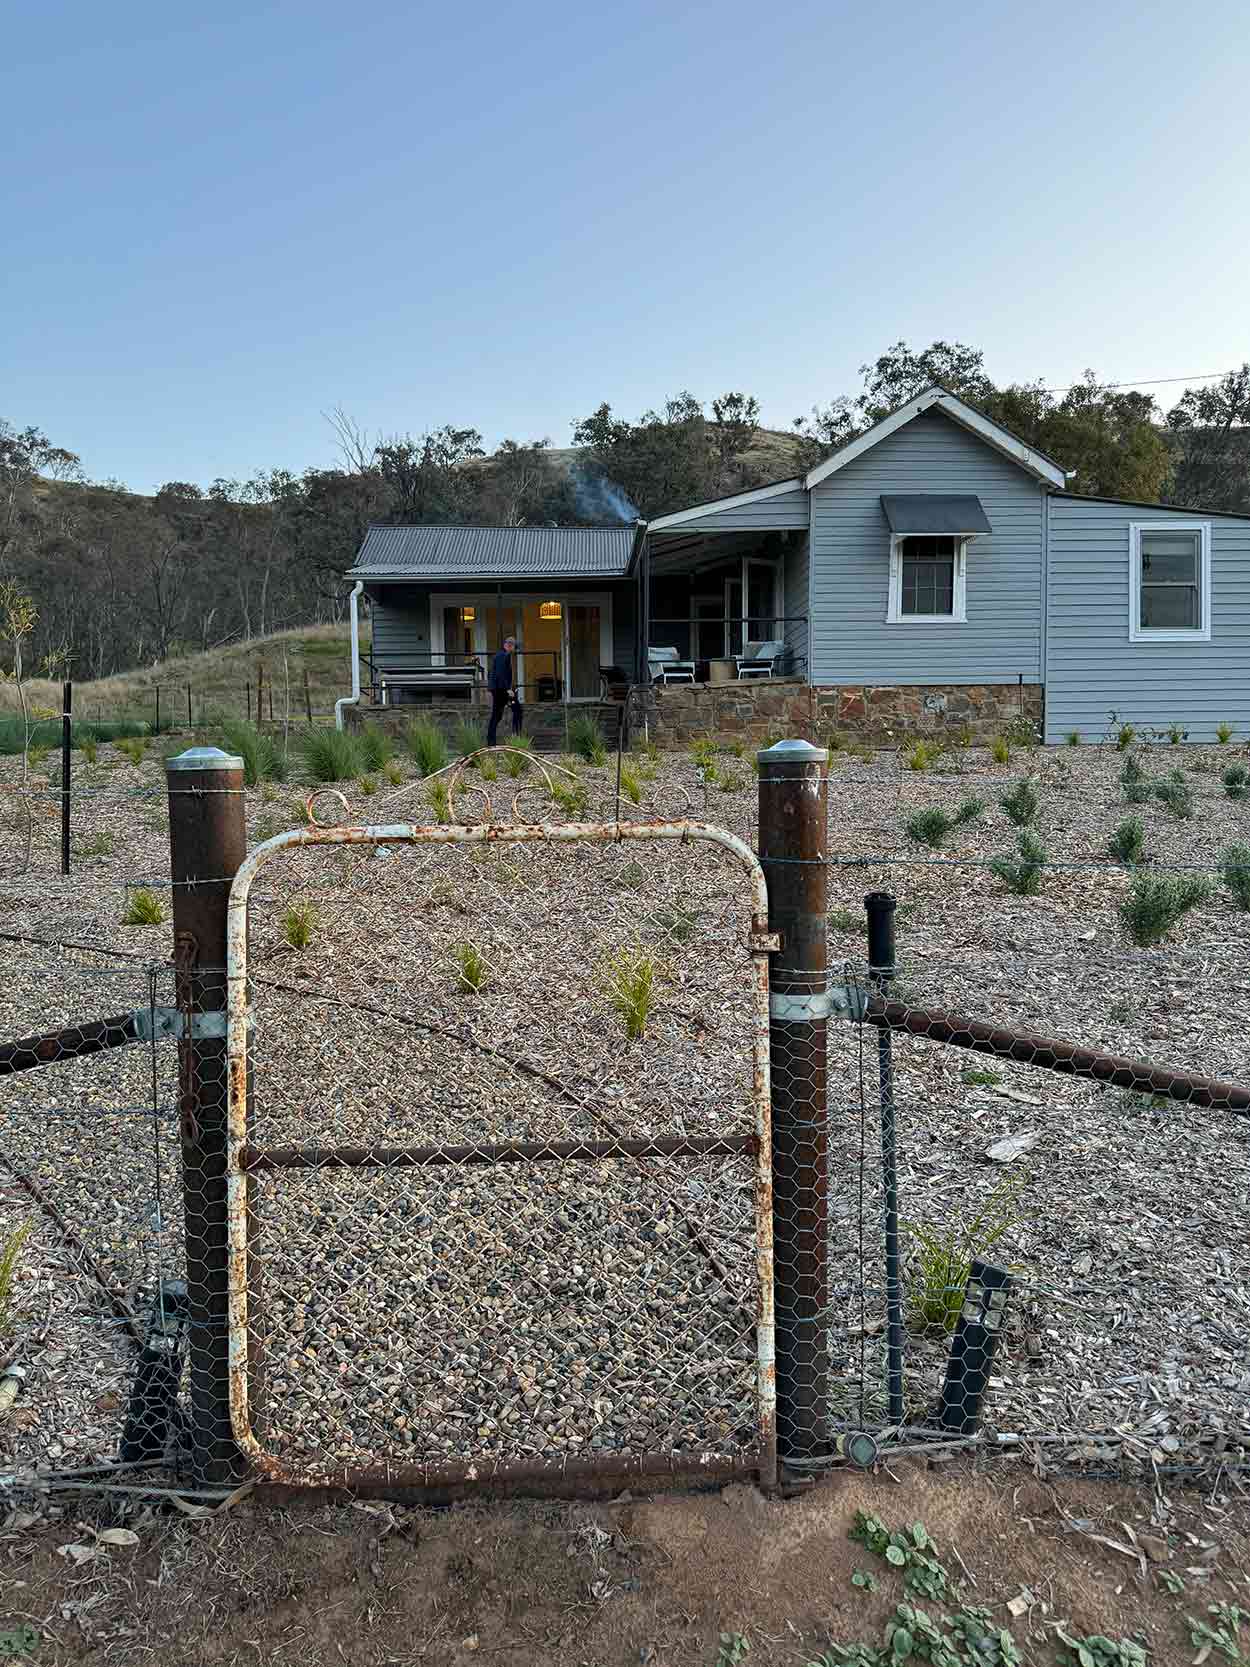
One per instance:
(207, 843)
(792, 851)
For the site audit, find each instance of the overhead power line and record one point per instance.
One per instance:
(1145, 381)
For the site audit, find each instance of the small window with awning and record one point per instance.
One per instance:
(928, 535)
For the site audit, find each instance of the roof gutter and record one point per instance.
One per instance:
(354, 698)
(640, 537)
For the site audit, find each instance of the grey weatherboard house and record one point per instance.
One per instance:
(934, 570)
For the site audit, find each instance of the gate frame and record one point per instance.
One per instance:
(493, 1476)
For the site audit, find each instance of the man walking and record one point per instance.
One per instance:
(499, 683)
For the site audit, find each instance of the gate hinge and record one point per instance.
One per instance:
(169, 1024)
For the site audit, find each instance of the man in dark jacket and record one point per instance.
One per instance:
(499, 683)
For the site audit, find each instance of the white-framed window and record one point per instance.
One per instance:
(1169, 581)
(927, 580)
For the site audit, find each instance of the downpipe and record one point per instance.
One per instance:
(354, 698)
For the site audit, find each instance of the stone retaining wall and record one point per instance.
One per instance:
(886, 714)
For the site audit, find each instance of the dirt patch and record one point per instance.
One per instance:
(640, 1581)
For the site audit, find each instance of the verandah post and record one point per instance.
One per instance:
(793, 822)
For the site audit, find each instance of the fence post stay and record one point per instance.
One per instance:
(793, 822)
(207, 843)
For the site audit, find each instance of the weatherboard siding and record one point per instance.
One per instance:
(796, 576)
(401, 626)
(850, 556)
(1092, 667)
(787, 509)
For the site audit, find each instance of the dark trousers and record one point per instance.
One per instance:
(499, 698)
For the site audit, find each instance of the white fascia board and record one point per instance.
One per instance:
(973, 421)
(680, 517)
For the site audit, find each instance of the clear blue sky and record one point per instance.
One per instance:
(217, 228)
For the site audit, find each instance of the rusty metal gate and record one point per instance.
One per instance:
(498, 1163)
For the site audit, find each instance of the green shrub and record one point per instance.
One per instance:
(89, 747)
(468, 739)
(37, 757)
(1136, 784)
(1176, 793)
(1235, 868)
(366, 786)
(133, 748)
(586, 739)
(375, 746)
(1073, 738)
(1223, 733)
(440, 800)
(1157, 901)
(10, 1255)
(941, 1257)
(489, 767)
(1176, 734)
(1128, 843)
(1236, 781)
(1000, 750)
(392, 772)
(631, 786)
(472, 972)
(330, 755)
(1022, 874)
(298, 925)
(144, 908)
(263, 759)
(969, 810)
(99, 845)
(570, 797)
(730, 781)
(929, 827)
(628, 980)
(1125, 735)
(1020, 805)
(426, 743)
(513, 759)
(921, 755)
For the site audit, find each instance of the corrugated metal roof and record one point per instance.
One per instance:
(934, 512)
(495, 552)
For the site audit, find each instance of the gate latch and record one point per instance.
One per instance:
(169, 1024)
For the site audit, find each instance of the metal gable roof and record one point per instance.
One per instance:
(440, 552)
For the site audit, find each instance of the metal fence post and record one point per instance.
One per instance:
(793, 825)
(67, 740)
(880, 907)
(207, 843)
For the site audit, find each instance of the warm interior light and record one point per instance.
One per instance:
(467, 615)
(550, 610)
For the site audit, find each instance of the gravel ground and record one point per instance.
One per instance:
(545, 1298)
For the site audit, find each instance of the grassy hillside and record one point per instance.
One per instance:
(218, 681)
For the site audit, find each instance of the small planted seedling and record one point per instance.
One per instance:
(730, 782)
(472, 972)
(1128, 842)
(298, 925)
(1022, 874)
(677, 924)
(1236, 780)
(981, 1076)
(570, 797)
(631, 786)
(586, 740)
(375, 746)
(1176, 734)
(1000, 750)
(1072, 738)
(921, 755)
(132, 747)
(848, 920)
(1176, 793)
(1235, 869)
(10, 1256)
(488, 767)
(929, 827)
(366, 786)
(628, 980)
(1020, 805)
(1157, 902)
(970, 809)
(330, 755)
(1223, 733)
(1125, 735)
(1136, 784)
(942, 1255)
(1097, 1650)
(734, 1648)
(865, 1580)
(101, 845)
(392, 772)
(1222, 1633)
(144, 908)
(440, 801)
(468, 739)
(89, 747)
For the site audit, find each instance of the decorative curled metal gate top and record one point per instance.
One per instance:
(499, 1179)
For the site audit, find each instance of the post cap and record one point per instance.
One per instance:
(793, 752)
(204, 758)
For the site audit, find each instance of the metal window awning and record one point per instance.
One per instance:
(940, 513)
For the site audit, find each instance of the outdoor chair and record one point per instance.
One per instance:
(667, 667)
(759, 659)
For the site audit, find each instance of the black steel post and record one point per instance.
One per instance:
(207, 843)
(973, 1348)
(67, 736)
(880, 907)
(793, 810)
(190, 714)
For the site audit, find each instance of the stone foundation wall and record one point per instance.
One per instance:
(888, 715)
